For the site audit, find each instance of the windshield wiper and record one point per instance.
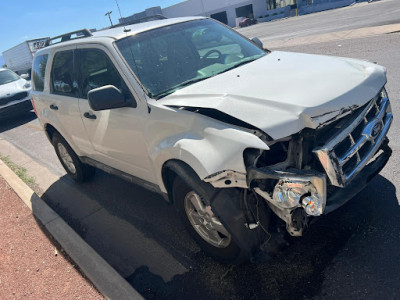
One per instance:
(179, 86)
(239, 64)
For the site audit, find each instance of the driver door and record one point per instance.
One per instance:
(116, 134)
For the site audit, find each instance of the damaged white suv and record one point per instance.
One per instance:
(240, 139)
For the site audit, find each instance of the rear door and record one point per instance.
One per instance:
(116, 134)
(63, 100)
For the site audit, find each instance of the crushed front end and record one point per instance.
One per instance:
(316, 171)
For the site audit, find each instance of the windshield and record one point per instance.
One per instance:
(172, 57)
(7, 76)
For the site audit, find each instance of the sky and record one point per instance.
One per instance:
(22, 20)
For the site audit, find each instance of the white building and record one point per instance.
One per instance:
(225, 11)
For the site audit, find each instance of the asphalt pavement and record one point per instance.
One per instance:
(351, 253)
(359, 15)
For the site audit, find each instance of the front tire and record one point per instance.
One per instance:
(203, 225)
(79, 171)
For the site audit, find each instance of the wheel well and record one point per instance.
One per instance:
(172, 169)
(49, 129)
(168, 177)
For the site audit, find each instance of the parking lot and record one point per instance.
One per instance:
(352, 253)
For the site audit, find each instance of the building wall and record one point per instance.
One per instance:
(146, 13)
(209, 7)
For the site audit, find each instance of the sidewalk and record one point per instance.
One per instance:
(32, 265)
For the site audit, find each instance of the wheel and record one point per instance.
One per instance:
(203, 225)
(79, 171)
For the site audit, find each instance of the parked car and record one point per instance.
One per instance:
(243, 141)
(14, 94)
(247, 22)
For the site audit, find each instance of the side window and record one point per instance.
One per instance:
(62, 75)
(97, 70)
(38, 72)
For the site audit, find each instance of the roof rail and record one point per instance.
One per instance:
(69, 36)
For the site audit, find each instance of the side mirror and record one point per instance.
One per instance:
(24, 76)
(106, 97)
(257, 41)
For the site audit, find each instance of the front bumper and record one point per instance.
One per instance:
(16, 108)
(340, 196)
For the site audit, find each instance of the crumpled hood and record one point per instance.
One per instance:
(12, 87)
(283, 92)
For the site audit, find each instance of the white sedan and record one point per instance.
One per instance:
(14, 94)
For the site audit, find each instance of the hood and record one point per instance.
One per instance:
(13, 88)
(282, 93)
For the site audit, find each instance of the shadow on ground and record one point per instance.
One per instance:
(140, 236)
(16, 120)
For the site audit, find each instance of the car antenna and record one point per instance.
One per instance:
(125, 29)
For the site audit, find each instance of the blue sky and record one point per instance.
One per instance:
(28, 19)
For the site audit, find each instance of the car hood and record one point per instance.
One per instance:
(282, 93)
(12, 88)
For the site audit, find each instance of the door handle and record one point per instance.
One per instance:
(89, 115)
(53, 107)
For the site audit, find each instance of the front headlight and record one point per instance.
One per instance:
(27, 85)
(293, 193)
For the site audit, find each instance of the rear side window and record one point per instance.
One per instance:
(39, 69)
(97, 70)
(62, 75)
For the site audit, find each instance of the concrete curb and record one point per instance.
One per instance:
(101, 274)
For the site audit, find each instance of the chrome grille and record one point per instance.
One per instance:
(17, 96)
(349, 151)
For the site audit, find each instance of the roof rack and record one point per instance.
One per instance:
(69, 36)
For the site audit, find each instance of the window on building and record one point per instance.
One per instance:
(221, 16)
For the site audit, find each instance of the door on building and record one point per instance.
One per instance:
(221, 16)
(245, 11)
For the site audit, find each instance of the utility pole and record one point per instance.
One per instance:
(108, 14)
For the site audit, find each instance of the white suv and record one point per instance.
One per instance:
(241, 140)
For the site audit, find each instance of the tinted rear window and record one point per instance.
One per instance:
(39, 69)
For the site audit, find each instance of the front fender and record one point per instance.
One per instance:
(208, 146)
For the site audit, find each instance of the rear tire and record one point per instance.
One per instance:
(202, 225)
(79, 171)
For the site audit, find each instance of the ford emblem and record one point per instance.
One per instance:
(376, 130)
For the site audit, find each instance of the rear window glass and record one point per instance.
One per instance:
(39, 69)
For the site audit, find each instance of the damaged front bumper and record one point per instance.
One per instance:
(295, 211)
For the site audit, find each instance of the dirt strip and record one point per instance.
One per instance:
(32, 265)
